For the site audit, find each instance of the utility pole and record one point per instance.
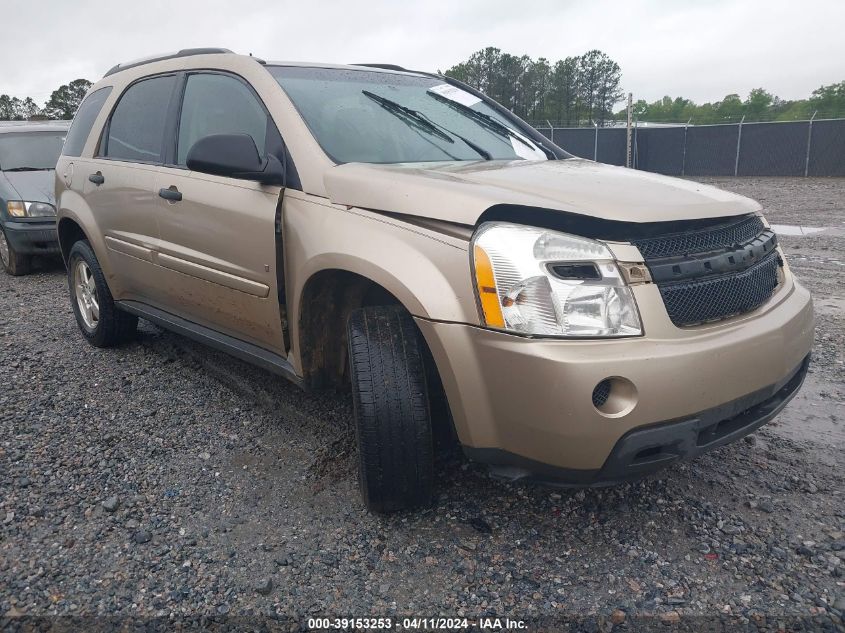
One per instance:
(630, 118)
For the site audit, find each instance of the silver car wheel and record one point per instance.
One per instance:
(4, 249)
(86, 295)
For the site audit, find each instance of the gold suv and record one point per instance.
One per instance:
(401, 233)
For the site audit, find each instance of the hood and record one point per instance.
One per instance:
(32, 186)
(461, 191)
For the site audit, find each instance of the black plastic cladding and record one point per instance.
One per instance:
(737, 259)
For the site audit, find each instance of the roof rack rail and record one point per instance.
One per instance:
(185, 52)
(386, 67)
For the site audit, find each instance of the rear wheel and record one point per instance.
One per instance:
(102, 324)
(392, 416)
(13, 262)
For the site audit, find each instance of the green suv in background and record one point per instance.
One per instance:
(28, 155)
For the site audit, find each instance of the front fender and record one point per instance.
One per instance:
(427, 271)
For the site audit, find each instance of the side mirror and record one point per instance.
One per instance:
(235, 156)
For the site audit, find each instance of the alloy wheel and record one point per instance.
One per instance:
(86, 295)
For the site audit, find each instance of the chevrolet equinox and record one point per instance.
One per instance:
(401, 233)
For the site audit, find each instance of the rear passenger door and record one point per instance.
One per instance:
(119, 183)
(218, 240)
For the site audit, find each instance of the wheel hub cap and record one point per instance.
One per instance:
(86, 295)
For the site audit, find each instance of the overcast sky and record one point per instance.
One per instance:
(699, 49)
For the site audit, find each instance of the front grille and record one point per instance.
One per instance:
(716, 273)
(719, 297)
(702, 241)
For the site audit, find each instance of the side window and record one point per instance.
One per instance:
(219, 104)
(136, 129)
(84, 121)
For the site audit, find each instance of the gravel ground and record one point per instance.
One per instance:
(165, 480)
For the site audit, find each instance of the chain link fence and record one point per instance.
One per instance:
(790, 148)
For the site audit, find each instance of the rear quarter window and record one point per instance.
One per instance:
(84, 121)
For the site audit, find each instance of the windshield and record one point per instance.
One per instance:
(21, 151)
(379, 117)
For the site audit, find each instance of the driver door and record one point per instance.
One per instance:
(217, 234)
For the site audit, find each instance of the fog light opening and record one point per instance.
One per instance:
(601, 393)
(614, 397)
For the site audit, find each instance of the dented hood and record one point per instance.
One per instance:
(461, 191)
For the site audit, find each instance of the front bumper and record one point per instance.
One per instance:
(527, 403)
(33, 238)
(645, 450)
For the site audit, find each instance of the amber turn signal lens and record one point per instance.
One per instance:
(16, 209)
(486, 283)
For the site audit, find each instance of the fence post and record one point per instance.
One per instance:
(596, 143)
(636, 149)
(628, 134)
(684, 155)
(551, 131)
(738, 144)
(809, 144)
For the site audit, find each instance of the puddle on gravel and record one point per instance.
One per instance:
(817, 416)
(797, 230)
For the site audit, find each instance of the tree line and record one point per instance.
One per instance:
(586, 89)
(61, 105)
(760, 105)
(577, 90)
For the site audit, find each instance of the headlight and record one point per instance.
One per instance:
(20, 209)
(541, 282)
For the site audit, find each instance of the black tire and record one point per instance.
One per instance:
(13, 262)
(392, 416)
(113, 326)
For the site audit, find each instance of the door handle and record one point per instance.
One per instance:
(98, 178)
(172, 194)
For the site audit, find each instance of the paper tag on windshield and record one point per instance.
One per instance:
(524, 151)
(455, 94)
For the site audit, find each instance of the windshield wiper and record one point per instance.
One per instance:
(476, 148)
(29, 169)
(421, 120)
(407, 114)
(488, 122)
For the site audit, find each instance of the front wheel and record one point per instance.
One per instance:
(13, 262)
(392, 416)
(102, 324)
